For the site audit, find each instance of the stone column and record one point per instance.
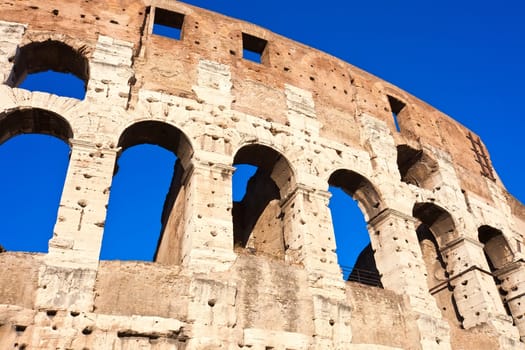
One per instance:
(208, 244)
(400, 262)
(309, 241)
(512, 279)
(10, 37)
(308, 231)
(475, 291)
(70, 266)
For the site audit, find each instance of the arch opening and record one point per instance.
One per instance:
(416, 167)
(439, 221)
(435, 229)
(146, 214)
(258, 225)
(498, 254)
(32, 141)
(51, 66)
(495, 246)
(354, 201)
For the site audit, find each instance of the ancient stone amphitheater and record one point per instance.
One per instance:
(262, 273)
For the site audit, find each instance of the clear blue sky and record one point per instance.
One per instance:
(465, 58)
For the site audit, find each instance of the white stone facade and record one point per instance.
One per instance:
(204, 293)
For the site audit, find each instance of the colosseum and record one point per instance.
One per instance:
(261, 273)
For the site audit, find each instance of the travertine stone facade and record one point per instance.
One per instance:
(262, 273)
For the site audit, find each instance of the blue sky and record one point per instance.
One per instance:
(465, 58)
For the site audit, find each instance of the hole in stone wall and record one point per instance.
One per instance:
(168, 24)
(396, 107)
(253, 48)
(20, 328)
(51, 66)
(416, 167)
(51, 313)
(34, 167)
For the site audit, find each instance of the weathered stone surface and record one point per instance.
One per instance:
(262, 273)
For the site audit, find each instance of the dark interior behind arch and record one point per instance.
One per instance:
(495, 247)
(257, 219)
(439, 221)
(416, 167)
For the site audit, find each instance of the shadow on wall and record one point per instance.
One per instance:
(258, 225)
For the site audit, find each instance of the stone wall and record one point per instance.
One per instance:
(446, 235)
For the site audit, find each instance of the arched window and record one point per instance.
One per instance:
(257, 217)
(436, 228)
(51, 66)
(438, 220)
(498, 254)
(495, 246)
(353, 200)
(34, 155)
(145, 218)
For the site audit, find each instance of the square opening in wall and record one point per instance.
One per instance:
(396, 107)
(253, 47)
(168, 23)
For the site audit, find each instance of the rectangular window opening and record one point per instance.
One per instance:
(253, 48)
(396, 107)
(168, 24)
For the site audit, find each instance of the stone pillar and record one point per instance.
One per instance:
(78, 231)
(208, 244)
(512, 279)
(70, 266)
(309, 241)
(308, 232)
(400, 262)
(10, 37)
(475, 291)
(110, 73)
